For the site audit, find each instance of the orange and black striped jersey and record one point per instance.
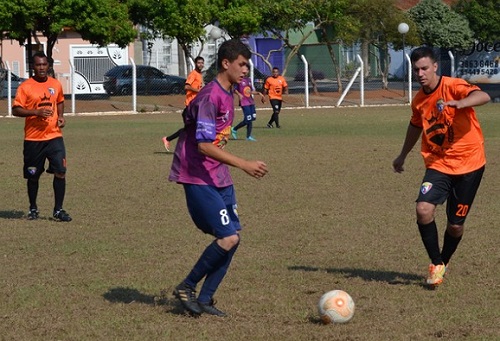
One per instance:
(452, 139)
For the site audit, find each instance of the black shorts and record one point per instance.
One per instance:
(458, 191)
(276, 105)
(35, 154)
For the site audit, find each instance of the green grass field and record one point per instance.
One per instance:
(331, 214)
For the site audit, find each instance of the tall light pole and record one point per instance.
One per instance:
(403, 28)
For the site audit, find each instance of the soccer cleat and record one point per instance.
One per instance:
(234, 134)
(436, 274)
(269, 125)
(166, 143)
(250, 138)
(33, 214)
(62, 215)
(187, 296)
(209, 308)
(277, 126)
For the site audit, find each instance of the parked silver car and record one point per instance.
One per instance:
(15, 82)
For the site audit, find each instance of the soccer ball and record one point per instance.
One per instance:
(336, 306)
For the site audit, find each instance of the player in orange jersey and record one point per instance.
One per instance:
(453, 153)
(193, 85)
(40, 100)
(275, 86)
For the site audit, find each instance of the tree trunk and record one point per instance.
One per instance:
(365, 53)
(334, 59)
(313, 81)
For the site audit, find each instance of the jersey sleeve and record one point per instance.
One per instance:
(461, 88)
(267, 85)
(416, 117)
(60, 93)
(191, 78)
(20, 98)
(205, 120)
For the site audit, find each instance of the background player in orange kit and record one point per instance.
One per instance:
(40, 100)
(275, 86)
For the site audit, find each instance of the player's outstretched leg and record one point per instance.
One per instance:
(187, 296)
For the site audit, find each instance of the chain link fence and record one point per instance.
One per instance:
(311, 76)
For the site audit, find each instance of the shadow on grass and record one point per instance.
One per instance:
(11, 214)
(130, 295)
(391, 277)
(165, 152)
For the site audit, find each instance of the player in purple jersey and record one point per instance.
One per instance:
(245, 92)
(200, 164)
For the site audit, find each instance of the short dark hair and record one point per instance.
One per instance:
(39, 54)
(231, 50)
(199, 58)
(422, 52)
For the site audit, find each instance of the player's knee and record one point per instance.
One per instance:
(454, 230)
(425, 212)
(60, 175)
(227, 243)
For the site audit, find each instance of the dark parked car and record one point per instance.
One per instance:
(259, 79)
(150, 81)
(15, 82)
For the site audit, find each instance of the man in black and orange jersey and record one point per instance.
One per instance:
(40, 100)
(275, 86)
(193, 85)
(453, 153)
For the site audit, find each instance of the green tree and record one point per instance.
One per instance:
(337, 26)
(379, 27)
(329, 17)
(238, 17)
(279, 18)
(438, 25)
(99, 21)
(483, 16)
(184, 20)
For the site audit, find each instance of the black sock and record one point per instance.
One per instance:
(429, 235)
(241, 124)
(59, 191)
(449, 246)
(209, 259)
(32, 192)
(277, 119)
(249, 129)
(271, 120)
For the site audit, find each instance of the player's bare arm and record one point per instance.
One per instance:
(61, 121)
(188, 87)
(262, 99)
(256, 169)
(412, 136)
(42, 112)
(475, 98)
(240, 95)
